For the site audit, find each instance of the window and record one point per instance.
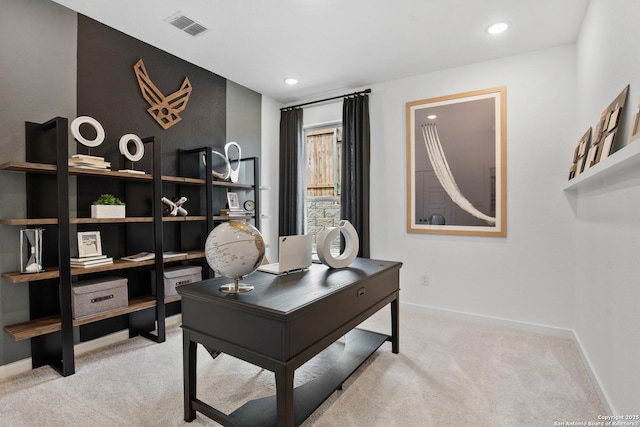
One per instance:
(322, 198)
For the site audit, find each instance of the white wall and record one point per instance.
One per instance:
(608, 219)
(529, 275)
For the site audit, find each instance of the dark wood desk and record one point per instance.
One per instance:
(283, 323)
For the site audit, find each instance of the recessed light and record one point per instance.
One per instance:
(498, 28)
(432, 117)
(291, 81)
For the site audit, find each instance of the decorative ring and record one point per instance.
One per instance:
(215, 174)
(75, 131)
(352, 245)
(124, 147)
(234, 173)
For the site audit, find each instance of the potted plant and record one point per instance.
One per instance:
(108, 206)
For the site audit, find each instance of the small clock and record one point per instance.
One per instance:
(249, 205)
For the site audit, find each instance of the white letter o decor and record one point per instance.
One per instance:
(351, 247)
(75, 131)
(124, 147)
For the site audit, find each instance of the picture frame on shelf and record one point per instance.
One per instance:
(635, 127)
(233, 201)
(604, 142)
(580, 154)
(89, 243)
(456, 164)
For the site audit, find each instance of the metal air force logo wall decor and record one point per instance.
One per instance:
(164, 109)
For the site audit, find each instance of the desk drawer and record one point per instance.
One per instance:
(314, 322)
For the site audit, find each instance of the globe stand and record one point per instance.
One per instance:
(236, 287)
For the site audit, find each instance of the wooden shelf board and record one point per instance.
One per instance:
(184, 218)
(50, 169)
(183, 180)
(28, 167)
(29, 221)
(46, 325)
(232, 185)
(118, 264)
(135, 219)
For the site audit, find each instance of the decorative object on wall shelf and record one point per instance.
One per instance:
(174, 208)
(249, 205)
(108, 206)
(603, 139)
(225, 162)
(234, 249)
(89, 244)
(164, 109)
(75, 131)
(580, 155)
(234, 174)
(233, 202)
(229, 171)
(124, 146)
(456, 163)
(351, 245)
(31, 250)
(635, 127)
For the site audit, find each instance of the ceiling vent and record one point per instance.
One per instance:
(186, 24)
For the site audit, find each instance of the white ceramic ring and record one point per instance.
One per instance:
(352, 245)
(75, 131)
(124, 147)
(234, 174)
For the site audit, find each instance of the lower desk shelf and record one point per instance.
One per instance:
(47, 325)
(360, 345)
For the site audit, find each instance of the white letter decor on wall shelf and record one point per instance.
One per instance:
(351, 240)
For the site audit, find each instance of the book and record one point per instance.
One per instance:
(88, 258)
(145, 256)
(87, 157)
(92, 263)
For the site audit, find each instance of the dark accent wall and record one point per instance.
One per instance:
(108, 91)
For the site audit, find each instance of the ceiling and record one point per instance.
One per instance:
(338, 45)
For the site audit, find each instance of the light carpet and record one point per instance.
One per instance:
(449, 372)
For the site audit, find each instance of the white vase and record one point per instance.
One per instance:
(107, 211)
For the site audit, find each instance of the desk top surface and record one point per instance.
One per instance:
(288, 292)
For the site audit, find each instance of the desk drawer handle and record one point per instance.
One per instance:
(361, 292)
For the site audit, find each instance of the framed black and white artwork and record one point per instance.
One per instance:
(457, 164)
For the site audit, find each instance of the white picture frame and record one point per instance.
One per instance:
(89, 244)
(233, 201)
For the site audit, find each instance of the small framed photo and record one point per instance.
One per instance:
(89, 243)
(233, 201)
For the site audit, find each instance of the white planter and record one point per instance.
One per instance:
(107, 211)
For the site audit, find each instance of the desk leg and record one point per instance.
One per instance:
(189, 374)
(284, 395)
(395, 328)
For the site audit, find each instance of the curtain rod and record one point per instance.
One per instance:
(362, 92)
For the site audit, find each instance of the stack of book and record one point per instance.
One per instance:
(233, 213)
(91, 261)
(89, 162)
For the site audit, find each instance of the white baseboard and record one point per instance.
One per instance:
(497, 321)
(24, 365)
(535, 328)
(602, 394)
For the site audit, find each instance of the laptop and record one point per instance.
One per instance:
(294, 253)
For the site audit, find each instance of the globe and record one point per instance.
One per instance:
(234, 249)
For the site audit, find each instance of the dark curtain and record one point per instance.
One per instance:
(292, 173)
(354, 197)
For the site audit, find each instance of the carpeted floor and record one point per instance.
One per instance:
(449, 373)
